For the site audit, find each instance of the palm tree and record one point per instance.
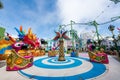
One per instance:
(1, 5)
(111, 28)
(60, 36)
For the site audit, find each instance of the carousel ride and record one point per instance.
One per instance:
(62, 66)
(96, 54)
(21, 59)
(21, 56)
(19, 52)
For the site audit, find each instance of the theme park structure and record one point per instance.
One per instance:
(98, 41)
(60, 36)
(98, 56)
(21, 50)
(95, 24)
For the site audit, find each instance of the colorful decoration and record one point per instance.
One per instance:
(22, 56)
(18, 46)
(11, 38)
(98, 56)
(4, 44)
(28, 38)
(37, 52)
(22, 49)
(21, 33)
(17, 62)
(52, 53)
(61, 35)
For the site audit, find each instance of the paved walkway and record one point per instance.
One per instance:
(112, 74)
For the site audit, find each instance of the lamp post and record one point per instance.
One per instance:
(111, 28)
(94, 23)
(72, 33)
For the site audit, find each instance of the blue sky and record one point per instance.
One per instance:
(44, 16)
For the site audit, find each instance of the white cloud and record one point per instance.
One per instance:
(78, 10)
(85, 11)
(43, 21)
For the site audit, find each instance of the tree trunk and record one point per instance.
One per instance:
(61, 51)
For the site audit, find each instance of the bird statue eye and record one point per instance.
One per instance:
(18, 44)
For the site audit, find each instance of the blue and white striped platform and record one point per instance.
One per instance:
(74, 68)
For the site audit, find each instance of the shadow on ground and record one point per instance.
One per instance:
(2, 64)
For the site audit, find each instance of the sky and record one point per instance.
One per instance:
(45, 16)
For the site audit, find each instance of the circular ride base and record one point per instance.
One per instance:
(73, 68)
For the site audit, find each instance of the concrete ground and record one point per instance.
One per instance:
(113, 72)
